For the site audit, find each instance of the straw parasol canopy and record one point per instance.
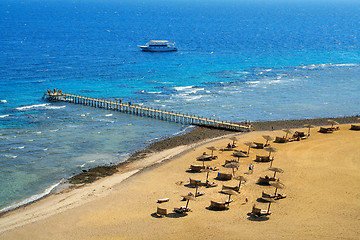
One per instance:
(230, 192)
(288, 131)
(333, 122)
(234, 139)
(188, 198)
(249, 144)
(276, 185)
(207, 170)
(204, 157)
(241, 179)
(232, 165)
(212, 149)
(270, 150)
(309, 126)
(239, 154)
(267, 138)
(276, 170)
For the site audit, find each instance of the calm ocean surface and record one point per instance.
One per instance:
(237, 60)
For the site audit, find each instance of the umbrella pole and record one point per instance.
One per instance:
(274, 173)
(269, 207)
(271, 162)
(196, 188)
(229, 198)
(248, 150)
(239, 184)
(207, 176)
(187, 203)
(203, 163)
(275, 192)
(266, 142)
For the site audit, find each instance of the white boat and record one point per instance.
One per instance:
(158, 46)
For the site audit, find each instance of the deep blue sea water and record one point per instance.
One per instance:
(237, 60)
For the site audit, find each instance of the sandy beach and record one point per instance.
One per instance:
(321, 176)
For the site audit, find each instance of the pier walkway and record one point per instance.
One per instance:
(117, 105)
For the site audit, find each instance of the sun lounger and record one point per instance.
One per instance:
(259, 213)
(163, 200)
(224, 176)
(326, 130)
(280, 140)
(355, 127)
(263, 158)
(212, 168)
(182, 209)
(266, 195)
(259, 145)
(200, 193)
(217, 205)
(161, 211)
(194, 182)
(267, 179)
(196, 168)
(235, 188)
(276, 197)
(230, 161)
(211, 184)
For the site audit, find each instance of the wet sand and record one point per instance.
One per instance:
(321, 176)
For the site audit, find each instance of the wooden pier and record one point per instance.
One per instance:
(117, 105)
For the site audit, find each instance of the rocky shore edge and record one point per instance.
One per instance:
(196, 135)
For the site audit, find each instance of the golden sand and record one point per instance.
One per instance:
(322, 175)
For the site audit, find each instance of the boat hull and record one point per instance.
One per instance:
(148, 49)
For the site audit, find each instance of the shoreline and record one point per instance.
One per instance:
(129, 197)
(198, 135)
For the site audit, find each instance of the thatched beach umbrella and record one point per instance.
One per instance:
(234, 139)
(270, 201)
(276, 170)
(203, 158)
(188, 198)
(239, 154)
(267, 138)
(333, 122)
(270, 150)
(288, 131)
(212, 149)
(250, 145)
(230, 192)
(207, 170)
(241, 179)
(276, 185)
(309, 126)
(232, 165)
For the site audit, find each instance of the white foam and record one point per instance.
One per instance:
(33, 106)
(54, 107)
(3, 101)
(30, 199)
(4, 116)
(183, 88)
(10, 156)
(193, 98)
(16, 148)
(108, 115)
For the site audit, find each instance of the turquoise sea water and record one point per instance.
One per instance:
(237, 60)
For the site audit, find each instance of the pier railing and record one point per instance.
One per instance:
(117, 105)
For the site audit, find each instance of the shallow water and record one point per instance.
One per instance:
(236, 61)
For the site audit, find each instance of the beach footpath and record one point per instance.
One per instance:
(319, 173)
